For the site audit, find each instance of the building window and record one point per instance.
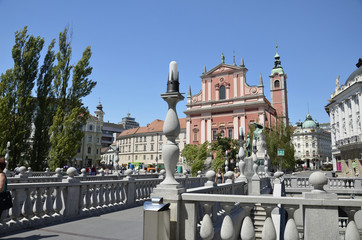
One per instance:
(214, 133)
(136, 148)
(151, 157)
(151, 138)
(222, 92)
(230, 133)
(160, 157)
(151, 147)
(195, 135)
(144, 157)
(98, 128)
(307, 153)
(89, 150)
(306, 137)
(90, 127)
(136, 157)
(97, 151)
(144, 147)
(306, 145)
(144, 139)
(313, 145)
(90, 139)
(313, 152)
(97, 139)
(160, 147)
(276, 83)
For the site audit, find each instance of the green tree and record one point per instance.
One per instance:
(16, 91)
(280, 136)
(195, 156)
(66, 131)
(44, 112)
(220, 146)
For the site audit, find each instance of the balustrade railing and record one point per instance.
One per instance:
(236, 219)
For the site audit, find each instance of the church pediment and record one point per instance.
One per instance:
(221, 69)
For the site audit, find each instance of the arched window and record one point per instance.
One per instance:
(276, 83)
(222, 92)
(89, 150)
(90, 127)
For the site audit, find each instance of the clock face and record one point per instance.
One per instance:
(194, 99)
(254, 90)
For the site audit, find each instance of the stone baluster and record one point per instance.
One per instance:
(94, 196)
(162, 174)
(27, 209)
(100, 196)
(58, 202)
(207, 228)
(112, 194)
(22, 172)
(123, 191)
(229, 177)
(291, 231)
(15, 211)
(227, 227)
(247, 231)
(48, 203)
(38, 205)
(106, 196)
(268, 232)
(352, 232)
(210, 175)
(87, 198)
(117, 191)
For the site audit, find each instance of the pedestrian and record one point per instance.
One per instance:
(219, 178)
(3, 188)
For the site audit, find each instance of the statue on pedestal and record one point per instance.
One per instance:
(248, 146)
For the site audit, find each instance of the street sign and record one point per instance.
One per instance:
(280, 152)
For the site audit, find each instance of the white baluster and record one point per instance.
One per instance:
(227, 227)
(27, 210)
(207, 229)
(291, 231)
(14, 212)
(37, 208)
(352, 183)
(58, 203)
(268, 232)
(352, 231)
(247, 230)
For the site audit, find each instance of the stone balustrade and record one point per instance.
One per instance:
(237, 219)
(340, 186)
(54, 199)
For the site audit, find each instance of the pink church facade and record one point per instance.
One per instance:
(226, 102)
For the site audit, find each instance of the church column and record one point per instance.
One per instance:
(202, 130)
(209, 90)
(235, 85)
(333, 127)
(203, 90)
(341, 130)
(346, 118)
(208, 125)
(188, 131)
(217, 88)
(262, 117)
(242, 123)
(236, 126)
(354, 115)
(228, 91)
(360, 113)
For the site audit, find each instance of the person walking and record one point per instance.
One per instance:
(3, 179)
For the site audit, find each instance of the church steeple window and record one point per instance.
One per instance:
(276, 84)
(222, 92)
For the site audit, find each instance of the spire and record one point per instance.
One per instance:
(277, 64)
(234, 64)
(189, 94)
(261, 81)
(222, 58)
(204, 70)
(242, 63)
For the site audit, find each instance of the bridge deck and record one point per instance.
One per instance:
(124, 224)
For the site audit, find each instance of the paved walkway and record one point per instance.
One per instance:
(125, 224)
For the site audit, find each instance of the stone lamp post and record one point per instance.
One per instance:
(171, 126)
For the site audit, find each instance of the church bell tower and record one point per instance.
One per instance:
(278, 90)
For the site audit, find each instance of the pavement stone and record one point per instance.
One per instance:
(124, 224)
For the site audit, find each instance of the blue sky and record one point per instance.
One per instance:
(134, 41)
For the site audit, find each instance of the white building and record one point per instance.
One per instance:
(345, 110)
(142, 146)
(89, 153)
(312, 143)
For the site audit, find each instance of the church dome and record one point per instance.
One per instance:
(309, 123)
(356, 73)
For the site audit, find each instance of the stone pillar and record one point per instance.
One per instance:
(347, 118)
(354, 115)
(341, 131)
(320, 222)
(208, 130)
(236, 126)
(235, 85)
(203, 90)
(209, 89)
(242, 122)
(203, 130)
(360, 112)
(188, 132)
(227, 91)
